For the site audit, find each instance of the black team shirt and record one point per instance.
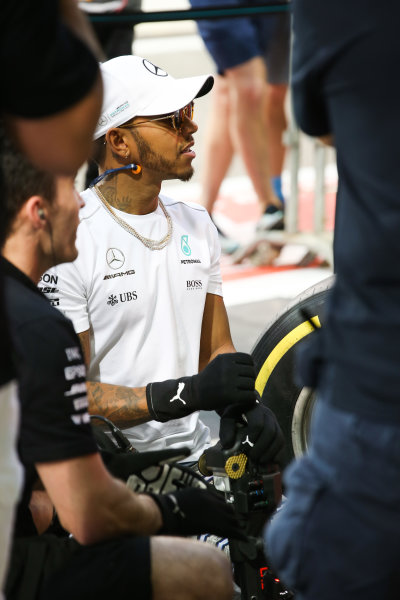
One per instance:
(55, 424)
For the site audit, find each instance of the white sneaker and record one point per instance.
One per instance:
(273, 219)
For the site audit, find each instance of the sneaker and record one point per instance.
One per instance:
(273, 218)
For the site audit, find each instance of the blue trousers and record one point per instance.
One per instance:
(337, 537)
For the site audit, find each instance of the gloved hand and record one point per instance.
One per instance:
(192, 511)
(258, 432)
(229, 379)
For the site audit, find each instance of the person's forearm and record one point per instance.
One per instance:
(215, 332)
(120, 512)
(207, 357)
(94, 506)
(124, 406)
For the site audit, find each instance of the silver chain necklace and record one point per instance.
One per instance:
(151, 244)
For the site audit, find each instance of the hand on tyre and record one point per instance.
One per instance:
(229, 379)
(257, 430)
(193, 511)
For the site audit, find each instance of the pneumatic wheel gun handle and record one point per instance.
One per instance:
(254, 431)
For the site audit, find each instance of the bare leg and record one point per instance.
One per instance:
(184, 569)
(276, 125)
(248, 99)
(218, 149)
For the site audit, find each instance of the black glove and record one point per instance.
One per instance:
(256, 431)
(228, 379)
(193, 511)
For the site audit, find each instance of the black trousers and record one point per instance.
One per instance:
(48, 567)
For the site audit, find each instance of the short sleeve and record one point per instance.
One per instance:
(65, 288)
(51, 68)
(55, 423)
(215, 278)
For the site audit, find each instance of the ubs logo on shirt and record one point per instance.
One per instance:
(194, 284)
(112, 300)
(125, 297)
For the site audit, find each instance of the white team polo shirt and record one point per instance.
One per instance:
(144, 308)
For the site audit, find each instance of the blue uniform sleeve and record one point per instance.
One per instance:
(308, 62)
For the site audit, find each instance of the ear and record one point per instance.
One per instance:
(118, 141)
(35, 211)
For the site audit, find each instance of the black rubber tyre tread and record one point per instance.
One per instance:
(281, 392)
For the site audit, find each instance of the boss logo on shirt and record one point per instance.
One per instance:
(125, 297)
(194, 284)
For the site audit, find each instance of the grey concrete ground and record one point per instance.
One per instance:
(249, 321)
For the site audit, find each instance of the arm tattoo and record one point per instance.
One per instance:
(125, 406)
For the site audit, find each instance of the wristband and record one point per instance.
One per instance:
(171, 399)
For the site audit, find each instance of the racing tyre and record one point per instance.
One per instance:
(274, 355)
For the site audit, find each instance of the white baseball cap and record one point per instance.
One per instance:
(133, 87)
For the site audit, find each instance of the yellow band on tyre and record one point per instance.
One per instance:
(294, 336)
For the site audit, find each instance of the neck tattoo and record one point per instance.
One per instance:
(151, 244)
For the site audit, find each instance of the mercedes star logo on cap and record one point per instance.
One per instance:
(115, 258)
(154, 69)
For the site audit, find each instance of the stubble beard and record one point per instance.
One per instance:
(158, 163)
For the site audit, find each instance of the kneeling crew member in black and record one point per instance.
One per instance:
(110, 554)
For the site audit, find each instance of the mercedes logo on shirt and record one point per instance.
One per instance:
(154, 69)
(115, 258)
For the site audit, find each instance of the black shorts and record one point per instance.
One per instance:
(49, 568)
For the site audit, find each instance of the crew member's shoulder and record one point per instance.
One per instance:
(27, 306)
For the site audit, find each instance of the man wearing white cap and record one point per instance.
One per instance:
(145, 292)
